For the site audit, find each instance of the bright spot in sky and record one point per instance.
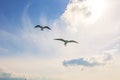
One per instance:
(84, 12)
(96, 8)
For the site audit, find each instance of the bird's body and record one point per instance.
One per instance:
(66, 41)
(42, 27)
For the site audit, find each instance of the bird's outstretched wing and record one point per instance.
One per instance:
(73, 41)
(60, 39)
(37, 26)
(47, 27)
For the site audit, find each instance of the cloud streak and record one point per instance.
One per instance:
(89, 62)
(80, 62)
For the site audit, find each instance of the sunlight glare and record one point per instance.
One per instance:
(96, 7)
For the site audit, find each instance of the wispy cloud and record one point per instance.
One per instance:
(108, 57)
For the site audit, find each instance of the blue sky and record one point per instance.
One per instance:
(28, 52)
(11, 11)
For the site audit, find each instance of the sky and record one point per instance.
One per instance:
(28, 52)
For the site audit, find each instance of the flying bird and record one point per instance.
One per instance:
(66, 41)
(42, 27)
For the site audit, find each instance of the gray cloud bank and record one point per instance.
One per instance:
(8, 76)
(91, 62)
(80, 61)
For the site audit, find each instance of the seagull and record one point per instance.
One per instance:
(42, 27)
(66, 41)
